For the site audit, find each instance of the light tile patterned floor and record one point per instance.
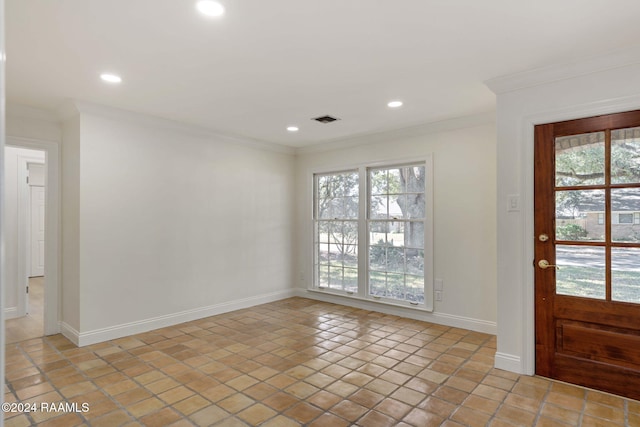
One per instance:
(29, 326)
(295, 362)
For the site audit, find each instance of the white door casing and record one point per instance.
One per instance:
(24, 230)
(52, 228)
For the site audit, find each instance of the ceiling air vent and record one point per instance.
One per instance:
(325, 119)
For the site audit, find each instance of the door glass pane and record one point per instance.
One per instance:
(625, 274)
(580, 159)
(579, 215)
(581, 271)
(625, 204)
(625, 156)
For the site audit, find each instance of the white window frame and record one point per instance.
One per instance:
(363, 233)
(316, 220)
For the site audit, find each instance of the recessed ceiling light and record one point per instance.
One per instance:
(110, 78)
(395, 104)
(293, 129)
(210, 8)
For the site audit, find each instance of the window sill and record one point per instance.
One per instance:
(418, 307)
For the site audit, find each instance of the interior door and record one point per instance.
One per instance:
(37, 231)
(587, 252)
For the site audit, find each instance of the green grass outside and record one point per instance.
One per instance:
(590, 282)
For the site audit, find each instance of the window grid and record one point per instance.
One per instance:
(373, 246)
(395, 229)
(336, 231)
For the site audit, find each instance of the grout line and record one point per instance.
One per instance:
(318, 331)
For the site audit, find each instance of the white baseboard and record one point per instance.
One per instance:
(508, 362)
(82, 339)
(71, 333)
(10, 312)
(455, 321)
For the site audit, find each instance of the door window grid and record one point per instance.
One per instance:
(605, 163)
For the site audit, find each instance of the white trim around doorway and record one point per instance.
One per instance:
(527, 363)
(52, 228)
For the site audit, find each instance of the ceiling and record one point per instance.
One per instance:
(266, 65)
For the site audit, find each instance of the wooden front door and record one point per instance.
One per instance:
(587, 252)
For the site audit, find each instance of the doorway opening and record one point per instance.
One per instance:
(31, 233)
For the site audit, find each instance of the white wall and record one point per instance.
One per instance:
(33, 123)
(164, 225)
(70, 213)
(606, 85)
(14, 282)
(2, 141)
(464, 164)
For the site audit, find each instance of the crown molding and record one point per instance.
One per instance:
(85, 107)
(483, 118)
(73, 108)
(588, 65)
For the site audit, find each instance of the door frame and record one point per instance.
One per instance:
(52, 268)
(24, 230)
(527, 127)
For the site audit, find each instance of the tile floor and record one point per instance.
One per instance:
(290, 363)
(31, 325)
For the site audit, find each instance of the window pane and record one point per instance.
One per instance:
(336, 225)
(625, 218)
(395, 259)
(351, 280)
(625, 274)
(415, 262)
(394, 182)
(323, 275)
(577, 215)
(625, 156)
(625, 202)
(415, 179)
(397, 204)
(580, 159)
(412, 206)
(377, 283)
(337, 196)
(396, 245)
(414, 234)
(395, 236)
(415, 288)
(379, 207)
(335, 278)
(396, 212)
(395, 286)
(581, 271)
(378, 232)
(378, 182)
